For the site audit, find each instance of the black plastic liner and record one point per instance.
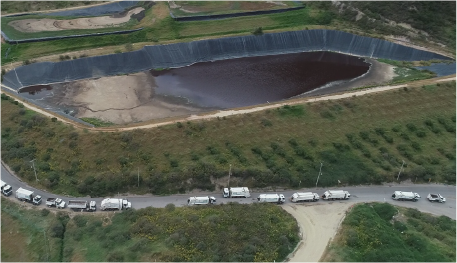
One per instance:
(184, 54)
(222, 16)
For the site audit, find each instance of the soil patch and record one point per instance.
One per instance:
(118, 99)
(252, 6)
(45, 24)
(318, 223)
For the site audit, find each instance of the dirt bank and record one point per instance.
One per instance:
(378, 74)
(319, 223)
(45, 24)
(119, 99)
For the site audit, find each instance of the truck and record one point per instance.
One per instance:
(304, 197)
(57, 202)
(436, 198)
(405, 196)
(6, 189)
(115, 204)
(336, 195)
(271, 198)
(239, 192)
(226, 193)
(202, 200)
(82, 205)
(27, 196)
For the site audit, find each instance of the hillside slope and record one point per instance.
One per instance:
(422, 21)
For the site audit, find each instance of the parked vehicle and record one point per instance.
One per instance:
(272, 198)
(436, 198)
(405, 196)
(115, 204)
(6, 189)
(239, 192)
(82, 205)
(203, 200)
(226, 193)
(336, 195)
(304, 197)
(57, 202)
(27, 196)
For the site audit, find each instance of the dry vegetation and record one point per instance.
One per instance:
(360, 140)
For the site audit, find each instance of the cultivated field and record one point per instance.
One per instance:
(359, 140)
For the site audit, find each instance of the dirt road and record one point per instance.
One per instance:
(208, 116)
(319, 223)
(45, 24)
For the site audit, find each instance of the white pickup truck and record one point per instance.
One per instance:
(57, 202)
(436, 198)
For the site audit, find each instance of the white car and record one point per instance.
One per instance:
(436, 198)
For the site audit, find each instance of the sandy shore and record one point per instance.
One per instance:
(119, 99)
(378, 74)
(45, 24)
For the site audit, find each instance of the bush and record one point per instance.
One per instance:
(80, 220)
(385, 211)
(170, 207)
(258, 31)
(44, 212)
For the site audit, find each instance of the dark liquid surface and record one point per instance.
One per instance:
(256, 80)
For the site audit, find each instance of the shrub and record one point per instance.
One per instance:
(385, 211)
(80, 220)
(421, 133)
(44, 212)
(170, 207)
(258, 31)
(411, 127)
(266, 123)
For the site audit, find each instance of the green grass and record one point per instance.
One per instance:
(222, 233)
(225, 7)
(24, 232)
(278, 147)
(405, 71)
(9, 7)
(165, 29)
(97, 122)
(380, 232)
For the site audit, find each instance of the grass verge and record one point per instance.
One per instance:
(380, 232)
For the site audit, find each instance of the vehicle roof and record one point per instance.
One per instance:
(239, 189)
(24, 190)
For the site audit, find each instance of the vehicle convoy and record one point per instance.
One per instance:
(271, 198)
(405, 196)
(82, 205)
(6, 189)
(238, 192)
(202, 200)
(436, 198)
(57, 202)
(336, 195)
(304, 197)
(115, 204)
(27, 196)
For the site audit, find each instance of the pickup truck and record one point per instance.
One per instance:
(436, 198)
(57, 202)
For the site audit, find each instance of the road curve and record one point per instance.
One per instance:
(379, 193)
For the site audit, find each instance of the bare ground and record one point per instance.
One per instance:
(119, 99)
(45, 24)
(318, 223)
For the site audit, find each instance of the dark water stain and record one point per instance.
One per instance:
(37, 92)
(255, 80)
